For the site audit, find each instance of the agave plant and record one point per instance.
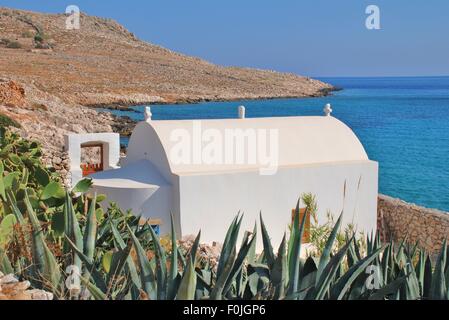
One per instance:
(241, 274)
(54, 237)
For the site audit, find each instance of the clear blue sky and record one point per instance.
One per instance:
(310, 37)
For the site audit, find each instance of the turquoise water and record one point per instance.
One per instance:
(402, 122)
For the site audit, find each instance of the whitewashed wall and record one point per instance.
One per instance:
(210, 202)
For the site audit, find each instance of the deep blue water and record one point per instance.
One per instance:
(402, 122)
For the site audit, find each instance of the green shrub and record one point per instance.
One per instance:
(6, 121)
(14, 45)
(39, 38)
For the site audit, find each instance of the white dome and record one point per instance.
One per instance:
(301, 141)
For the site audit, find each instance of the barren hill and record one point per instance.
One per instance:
(103, 63)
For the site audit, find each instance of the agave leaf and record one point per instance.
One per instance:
(390, 289)
(187, 286)
(90, 266)
(45, 262)
(325, 257)
(72, 228)
(117, 264)
(182, 259)
(411, 290)
(307, 276)
(131, 267)
(147, 277)
(227, 255)
(352, 256)
(258, 280)
(294, 251)
(267, 247)
(400, 257)
(161, 266)
(328, 273)
(427, 278)
(438, 289)
(386, 260)
(341, 287)
(90, 233)
(228, 245)
(218, 289)
(279, 274)
(194, 248)
(203, 284)
(238, 264)
(173, 274)
(13, 206)
(252, 252)
(96, 293)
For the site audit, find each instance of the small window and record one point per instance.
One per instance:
(91, 158)
(306, 234)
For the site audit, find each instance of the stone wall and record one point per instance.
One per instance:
(398, 219)
(13, 289)
(59, 161)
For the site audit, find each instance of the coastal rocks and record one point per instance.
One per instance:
(398, 220)
(46, 119)
(13, 289)
(123, 125)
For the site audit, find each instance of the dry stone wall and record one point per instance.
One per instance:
(60, 162)
(398, 219)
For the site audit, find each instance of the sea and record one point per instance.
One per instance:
(403, 123)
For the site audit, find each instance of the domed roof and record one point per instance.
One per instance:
(295, 141)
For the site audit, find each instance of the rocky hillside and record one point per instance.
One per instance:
(103, 63)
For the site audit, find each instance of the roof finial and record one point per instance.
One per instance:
(148, 114)
(242, 112)
(327, 110)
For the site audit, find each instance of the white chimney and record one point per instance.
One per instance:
(327, 110)
(242, 112)
(148, 114)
